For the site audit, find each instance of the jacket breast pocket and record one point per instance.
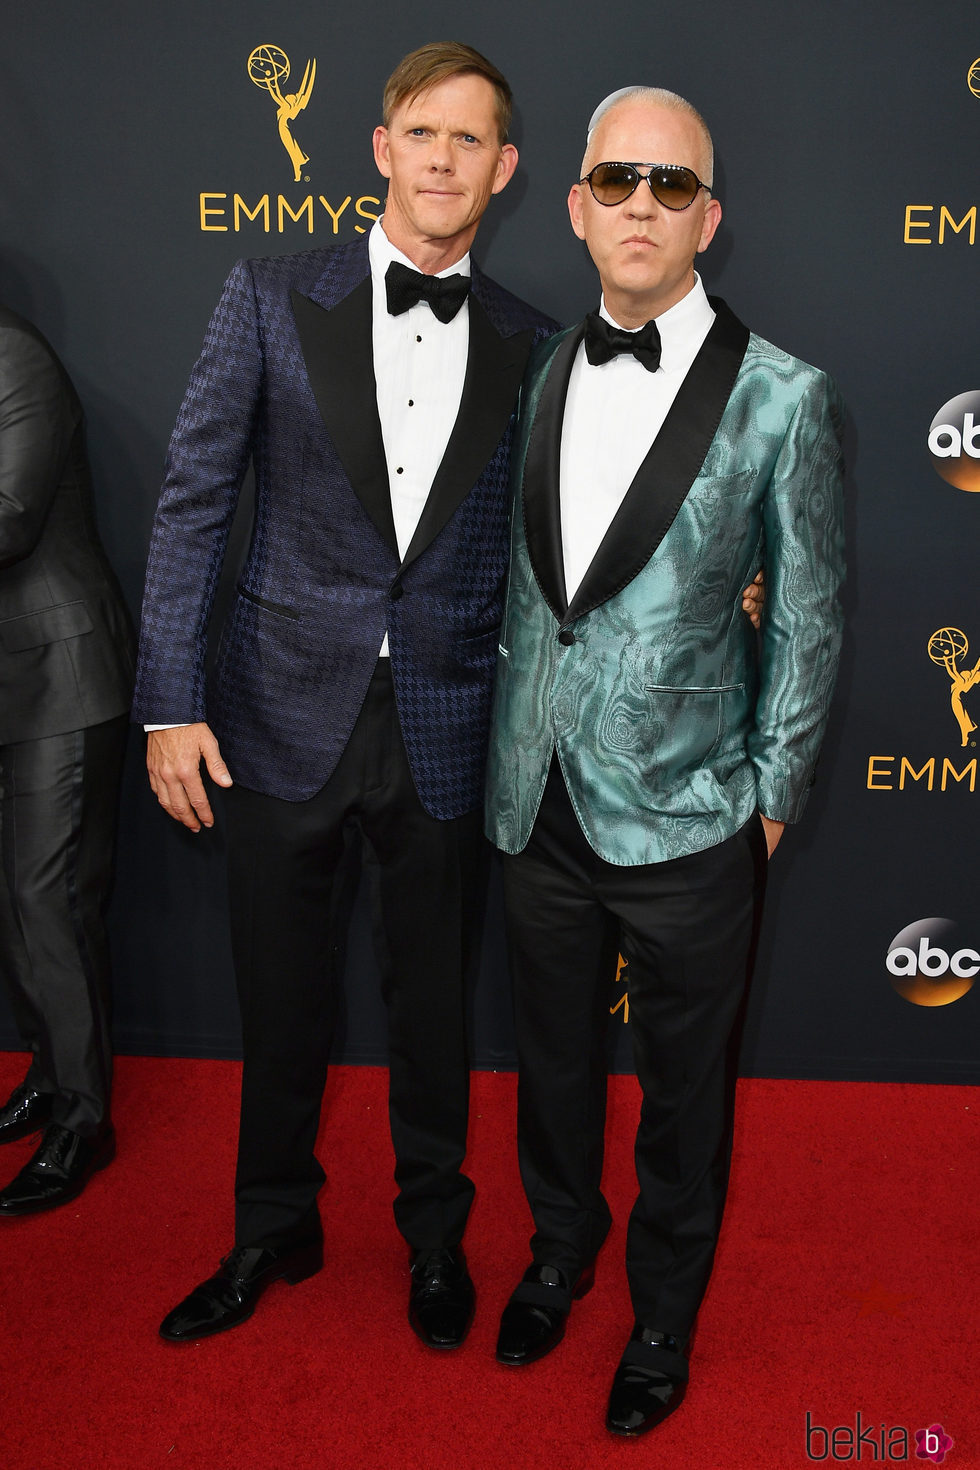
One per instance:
(47, 625)
(721, 486)
(692, 688)
(273, 607)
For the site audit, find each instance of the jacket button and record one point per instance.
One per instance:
(396, 592)
(567, 637)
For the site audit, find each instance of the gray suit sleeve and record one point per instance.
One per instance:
(34, 437)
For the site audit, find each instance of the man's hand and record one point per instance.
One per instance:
(773, 830)
(753, 599)
(173, 759)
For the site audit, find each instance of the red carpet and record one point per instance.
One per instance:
(846, 1283)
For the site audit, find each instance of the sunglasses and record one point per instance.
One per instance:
(671, 184)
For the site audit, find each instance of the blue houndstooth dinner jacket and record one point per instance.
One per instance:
(286, 380)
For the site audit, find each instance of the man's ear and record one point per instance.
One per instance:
(712, 219)
(576, 210)
(506, 164)
(380, 144)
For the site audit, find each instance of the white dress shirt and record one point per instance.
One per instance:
(613, 413)
(419, 367)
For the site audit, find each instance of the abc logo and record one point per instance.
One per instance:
(927, 967)
(954, 441)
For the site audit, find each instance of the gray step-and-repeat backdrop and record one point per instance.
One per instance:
(142, 154)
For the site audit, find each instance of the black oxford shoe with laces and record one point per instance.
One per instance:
(441, 1301)
(231, 1295)
(58, 1170)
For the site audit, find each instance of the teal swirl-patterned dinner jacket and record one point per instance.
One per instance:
(672, 719)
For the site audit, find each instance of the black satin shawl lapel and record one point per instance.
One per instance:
(663, 480)
(494, 368)
(339, 354)
(541, 480)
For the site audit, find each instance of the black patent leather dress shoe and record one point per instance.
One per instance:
(649, 1384)
(25, 1111)
(231, 1295)
(441, 1301)
(58, 1170)
(533, 1321)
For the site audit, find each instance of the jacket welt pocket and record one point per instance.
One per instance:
(693, 688)
(47, 625)
(273, 607)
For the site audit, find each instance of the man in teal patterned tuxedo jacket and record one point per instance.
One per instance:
(648, 748)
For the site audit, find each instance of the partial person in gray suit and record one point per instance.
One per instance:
(66, 669)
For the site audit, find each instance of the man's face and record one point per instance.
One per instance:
(643, 251)
(443, 159)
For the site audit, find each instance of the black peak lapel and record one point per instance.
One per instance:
(494, 368)
(338, 351)
(663, 480)
(540, 484)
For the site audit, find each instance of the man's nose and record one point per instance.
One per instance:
(441, 154)
(642, 202)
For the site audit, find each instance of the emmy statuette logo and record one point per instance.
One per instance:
(946, 646)
(268, 66)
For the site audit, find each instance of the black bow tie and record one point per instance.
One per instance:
(604, 342)
(405, 287)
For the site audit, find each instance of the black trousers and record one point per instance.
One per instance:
(58, 803)
(290, 872)
(688, 928)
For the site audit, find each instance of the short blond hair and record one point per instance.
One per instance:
(437, 62)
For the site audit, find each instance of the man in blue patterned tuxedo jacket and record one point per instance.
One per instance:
(646, 749)
(374, 394)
